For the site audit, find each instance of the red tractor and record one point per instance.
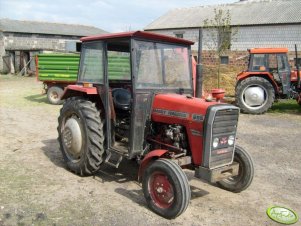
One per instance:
(268, 77)
(152, 117)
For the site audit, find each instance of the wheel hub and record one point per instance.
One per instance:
(72, 137)
(161, 190)
(54, 95)
(254, 96)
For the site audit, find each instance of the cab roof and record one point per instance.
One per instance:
(138, 34)
(268, 50)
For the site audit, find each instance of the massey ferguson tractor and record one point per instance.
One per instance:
(268, 77)
(150, 116)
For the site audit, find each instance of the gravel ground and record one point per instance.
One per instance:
(36, 188)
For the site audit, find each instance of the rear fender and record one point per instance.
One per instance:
(78, 90)
(265, 75)
(155, 154)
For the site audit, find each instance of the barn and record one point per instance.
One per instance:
(257, 23)
(20, 41)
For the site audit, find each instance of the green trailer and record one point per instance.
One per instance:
(58, 70)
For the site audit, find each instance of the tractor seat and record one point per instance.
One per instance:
(121, 98)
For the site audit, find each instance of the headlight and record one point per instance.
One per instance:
(231, 140)
(215, 142)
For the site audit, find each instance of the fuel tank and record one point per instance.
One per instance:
(294, 75)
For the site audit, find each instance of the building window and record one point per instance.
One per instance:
(179, 35)
(78, 46)
(224, 60)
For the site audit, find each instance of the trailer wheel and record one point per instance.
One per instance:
(54, 94)
(166, 189)
(254, 95)
(81, 136)
(245, 173)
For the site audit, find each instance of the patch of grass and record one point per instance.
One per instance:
(21, 91)
(286, 106)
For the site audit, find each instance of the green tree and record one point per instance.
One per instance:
(220, 35)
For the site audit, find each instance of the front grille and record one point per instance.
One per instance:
(225, 122)
(221, 122)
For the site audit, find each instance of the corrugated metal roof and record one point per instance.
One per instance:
(242, 13)
(37, 27)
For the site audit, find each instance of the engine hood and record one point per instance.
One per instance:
(180, 106)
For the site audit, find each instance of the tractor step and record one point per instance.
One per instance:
(113, 158)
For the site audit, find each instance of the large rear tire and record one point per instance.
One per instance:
(54, 94)
(245, 173)
(166, 189)
(254, 95)
(81, 136)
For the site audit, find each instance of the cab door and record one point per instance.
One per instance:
(284, 72)
(93, 70)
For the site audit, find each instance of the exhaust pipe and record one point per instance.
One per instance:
(199, 74)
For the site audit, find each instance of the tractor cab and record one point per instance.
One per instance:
(144, 64)
(273, 61)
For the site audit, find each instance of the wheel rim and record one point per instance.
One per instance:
(54, 95)
(234, 180)
(254, 96)
(72, 138)
(161, 190)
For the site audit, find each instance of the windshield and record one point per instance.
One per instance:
(162, 66)
(91, 63)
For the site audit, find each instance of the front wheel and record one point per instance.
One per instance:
(245, 173)
(254, 95)
(166, 189)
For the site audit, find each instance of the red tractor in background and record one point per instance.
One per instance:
(269, 77)
(151, 117)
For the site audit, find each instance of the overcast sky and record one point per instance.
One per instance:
(110, 15)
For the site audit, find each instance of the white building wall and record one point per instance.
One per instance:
(248, 36)
(18, 41)
(267, 36)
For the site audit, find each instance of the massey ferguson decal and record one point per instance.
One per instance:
(178, 114)
(171, 113)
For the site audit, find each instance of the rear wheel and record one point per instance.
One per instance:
(81, 136)
(54, 94)
(245, 173)
(254, 95)
(166, 188)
